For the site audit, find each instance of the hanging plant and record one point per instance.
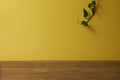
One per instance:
(86, 15)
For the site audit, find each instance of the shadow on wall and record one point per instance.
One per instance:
(99, 8)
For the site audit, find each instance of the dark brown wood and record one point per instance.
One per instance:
(60, 70)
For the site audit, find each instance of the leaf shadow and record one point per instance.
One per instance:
(99, 9)
(92, 29)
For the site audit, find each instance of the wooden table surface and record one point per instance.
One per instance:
(60, 70)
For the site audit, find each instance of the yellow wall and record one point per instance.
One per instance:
(48, 30)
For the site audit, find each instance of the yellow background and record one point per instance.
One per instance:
(48, 30)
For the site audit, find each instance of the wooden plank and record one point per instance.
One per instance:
(60, 70)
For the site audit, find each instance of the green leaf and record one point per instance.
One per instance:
(85, 12)
(94, 2)
(84, 23)
(91, 5)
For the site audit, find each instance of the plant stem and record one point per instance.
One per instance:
(89, 18)
(93, 13)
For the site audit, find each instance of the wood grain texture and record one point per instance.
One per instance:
(60, 70)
